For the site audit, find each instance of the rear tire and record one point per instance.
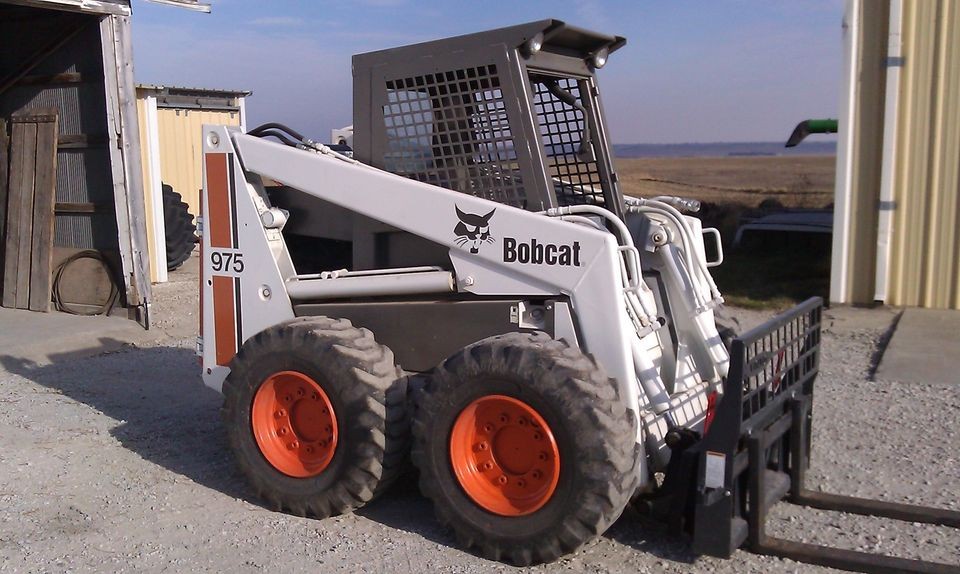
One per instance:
(580, 408)
(365, 433)
(180, 230)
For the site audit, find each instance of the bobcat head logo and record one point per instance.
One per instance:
(473, 230)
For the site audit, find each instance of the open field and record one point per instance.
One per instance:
(787, 269)
(795, 181)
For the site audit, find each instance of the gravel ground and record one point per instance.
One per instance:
(118, 463)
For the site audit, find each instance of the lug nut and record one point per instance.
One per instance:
(328, 429)
(288, 398)
(487, 465)
(280, 414)
(488, 427)
(522, 422)
(536, 474)
(482, 446)
(542, 456)
(537, 436)
(504, 419)
(502, 479)
(299, 392)
(295, 444)
(521, 483)
(282, 430)
(314, 396)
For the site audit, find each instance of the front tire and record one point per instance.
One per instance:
(524, 447)
(315, 414)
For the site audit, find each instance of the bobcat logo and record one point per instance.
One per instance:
(473, 230)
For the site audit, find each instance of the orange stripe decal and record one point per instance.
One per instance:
(224, 313)
(218, 190)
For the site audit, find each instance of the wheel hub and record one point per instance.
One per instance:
(294, 424)
(504, 455)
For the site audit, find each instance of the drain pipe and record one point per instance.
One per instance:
(888, 172)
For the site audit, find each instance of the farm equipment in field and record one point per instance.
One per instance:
(808, 127)
(558, 343)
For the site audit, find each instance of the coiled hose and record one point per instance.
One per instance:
(108, 269)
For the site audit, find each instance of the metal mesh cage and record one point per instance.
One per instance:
(451, 129)
(775, 360)
(571, 161)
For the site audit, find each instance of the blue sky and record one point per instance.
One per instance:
(724, 70)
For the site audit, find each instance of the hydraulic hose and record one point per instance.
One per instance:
(276, 126)
(280, 136)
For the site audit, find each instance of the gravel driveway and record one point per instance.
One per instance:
(117, 462)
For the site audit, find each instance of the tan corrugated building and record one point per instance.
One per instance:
(170, 122)
(897, 214)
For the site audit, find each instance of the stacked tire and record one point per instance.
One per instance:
(181, 231)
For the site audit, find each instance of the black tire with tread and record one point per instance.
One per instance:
(179, 228)
(595, 433)
(368, 393)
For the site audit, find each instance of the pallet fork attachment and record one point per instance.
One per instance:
(757, 451)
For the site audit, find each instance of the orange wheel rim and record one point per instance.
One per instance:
(504, 456)
(294, 424)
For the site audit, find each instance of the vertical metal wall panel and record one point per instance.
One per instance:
(924, 255)
(180, 150)
(855, 246)
(924, 270)
(142, 119)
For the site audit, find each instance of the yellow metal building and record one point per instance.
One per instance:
(170, 121)
(897, 209)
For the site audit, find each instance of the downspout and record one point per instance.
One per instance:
(887, 205)
(839, 268)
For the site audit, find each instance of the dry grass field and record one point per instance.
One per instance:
(784, 269)
(795, 181)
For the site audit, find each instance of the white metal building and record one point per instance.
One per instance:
(897, 215)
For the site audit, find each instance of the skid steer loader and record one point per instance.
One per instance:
(472, 281)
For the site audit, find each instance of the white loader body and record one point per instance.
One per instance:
(603, 305)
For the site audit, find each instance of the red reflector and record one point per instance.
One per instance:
(711, 411)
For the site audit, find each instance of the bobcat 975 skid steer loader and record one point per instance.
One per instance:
(558, 338)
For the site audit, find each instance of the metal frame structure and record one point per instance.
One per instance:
(470, 111)
(758, 451)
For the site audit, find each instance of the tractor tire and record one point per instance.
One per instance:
(315, 413)
(180, 230)
(525, 447)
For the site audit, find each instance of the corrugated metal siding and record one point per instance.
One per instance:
(180, 150)
(924, 268)
(83, 174)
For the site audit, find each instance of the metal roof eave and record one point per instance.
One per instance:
(101, 7)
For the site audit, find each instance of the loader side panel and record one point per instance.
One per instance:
(243, 266)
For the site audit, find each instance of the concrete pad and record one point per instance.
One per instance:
(925, 348)
(28, 337)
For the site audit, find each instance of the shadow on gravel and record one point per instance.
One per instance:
(404, 508)
(647, 535)
(166, 415)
